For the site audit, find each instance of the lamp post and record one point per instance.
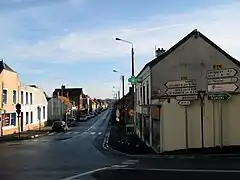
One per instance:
(132, 54)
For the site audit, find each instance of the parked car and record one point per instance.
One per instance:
(83, 118)
(71, 122)
(59, 126)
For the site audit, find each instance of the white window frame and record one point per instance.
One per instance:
(16, 96)
(7, 96)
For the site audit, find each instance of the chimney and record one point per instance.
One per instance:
(63, 87)
(159, 52)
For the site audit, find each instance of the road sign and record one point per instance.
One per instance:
(181, 91)
(132, 80)
(218, 96)
(186, 98)
(222, 88)
(222, 80)
(221, 73)
(184, 103)
(181, 84)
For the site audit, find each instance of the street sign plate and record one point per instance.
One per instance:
(181, 84)
(222, 88)
(184, 103)
(222, 80)
(181, 91)
(186, 98)
(218, 96)
(221, 73)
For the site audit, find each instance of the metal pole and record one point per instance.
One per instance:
(123, 103)
(18, 126)
(133, 86)
(61, 104)
(202, 133)
(214, 128)
(118, 94)
(220, 124)
(186, 126)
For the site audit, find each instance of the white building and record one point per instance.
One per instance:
(34, 107)
(187, 103)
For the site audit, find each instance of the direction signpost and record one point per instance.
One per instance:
(184, 103)
(219, 96)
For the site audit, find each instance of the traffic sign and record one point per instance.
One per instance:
(132, 80)
(222, 88)
(184, 103)
(186, 98)
(222, 80)
(222, 73)
(181, 83)
(181, 91)
(219, 96)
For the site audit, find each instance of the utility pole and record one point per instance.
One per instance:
(133, 86)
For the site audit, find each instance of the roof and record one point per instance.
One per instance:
(5, 66)
(195, 32)
(69, 89)
(64, 100)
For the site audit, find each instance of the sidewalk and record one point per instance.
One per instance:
(25, 135)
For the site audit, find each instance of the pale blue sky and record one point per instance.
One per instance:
(54, 42)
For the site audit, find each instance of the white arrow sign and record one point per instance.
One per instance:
(222, 88)
(181, 84)
(181, 91)
(221, 73)
(184, 103)
(222, 80)
(186, 98)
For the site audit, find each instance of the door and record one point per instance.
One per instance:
(21, 123)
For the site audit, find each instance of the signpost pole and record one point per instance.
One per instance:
(220, 124)
(201, 97)
(186, 127)
(19, 133)
(214, 128)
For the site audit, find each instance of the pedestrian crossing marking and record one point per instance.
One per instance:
(92, 133)
(99, 133)
(50, 134)
(76, 132)
(119, 166)
(68, 132)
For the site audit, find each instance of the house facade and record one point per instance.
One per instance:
(34, 107)
(60, 108)
(187, 106)
(9, 88)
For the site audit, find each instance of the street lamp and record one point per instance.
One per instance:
(132, 53)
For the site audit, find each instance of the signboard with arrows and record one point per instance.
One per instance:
(219, 96)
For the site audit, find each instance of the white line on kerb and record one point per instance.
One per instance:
(184, 170)
(85, 173)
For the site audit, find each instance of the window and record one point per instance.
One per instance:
(6, 120)
(13, 119)
(21, 97)
(147, 93)
(31, 98)
(26, 97)
(14, 96)
(39, 113)
(27, 118)
(141, 101)
(31, 117)
(144, 95)
(5, 96)
(44, 112)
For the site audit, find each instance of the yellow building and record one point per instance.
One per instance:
(9, 88)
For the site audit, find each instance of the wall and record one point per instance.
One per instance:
(10, 82)
(54, 109)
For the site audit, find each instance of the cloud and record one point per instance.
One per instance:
(163, 31)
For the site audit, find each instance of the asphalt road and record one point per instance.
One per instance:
(78, 154)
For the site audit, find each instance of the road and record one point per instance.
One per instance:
(78, 154)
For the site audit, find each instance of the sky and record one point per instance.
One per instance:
(72, 42)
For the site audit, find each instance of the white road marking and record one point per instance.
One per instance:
(99, 133)
(183, 170)
(68, 132)
(50, 134)
(132, 160)
(76, 132)
(85, 173)
(92, 133)
(35, 140)
(120, 166)
(128, 163)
